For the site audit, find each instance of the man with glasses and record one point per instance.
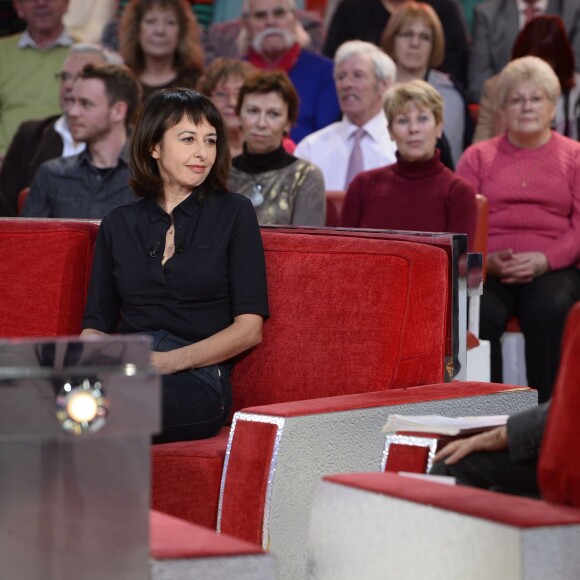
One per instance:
(271, 27)
(90, 184)
(38, 141)
(28, 63)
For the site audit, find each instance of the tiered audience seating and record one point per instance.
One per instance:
(383, 525)
(360, 327)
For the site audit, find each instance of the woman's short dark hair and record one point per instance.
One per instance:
(162, 110)
(264, 82)
(545, 37)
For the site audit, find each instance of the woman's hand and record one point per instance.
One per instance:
(167, 363)
(516, 268)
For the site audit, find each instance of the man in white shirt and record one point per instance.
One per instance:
(360, 141)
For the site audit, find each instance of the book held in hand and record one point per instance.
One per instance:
(443, 425)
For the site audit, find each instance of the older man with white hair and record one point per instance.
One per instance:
(361, 140)
(271, 27)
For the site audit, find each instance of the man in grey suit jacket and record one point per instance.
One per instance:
(503, 459)
(496, 26)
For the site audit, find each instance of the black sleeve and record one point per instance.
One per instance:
(12, 175)
(525, 432)
(443, 146)
(456, 38)
(340, 28)
(247, 268)
(38, 199)
(104, 301)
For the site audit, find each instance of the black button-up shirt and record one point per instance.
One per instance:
(216, 273)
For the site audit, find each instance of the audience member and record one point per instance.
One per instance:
(496, 26)
(363, 74)
(282, 188)
(230, 38)
(160, 42)
(418, 192)
(270, 26)
(184, 264)
(90, 184)
(504, 459)
(544, 36)
(221, 82)
(29, 64)
(86, 20)
(531, 179)
(414, 39)
(366, 20)
(38, 141)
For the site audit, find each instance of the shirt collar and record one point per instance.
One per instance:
(64, 39)
(541, 5)
(188, 206)
(374, 127)
(85, 157)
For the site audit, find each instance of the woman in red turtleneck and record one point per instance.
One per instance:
(418, 192)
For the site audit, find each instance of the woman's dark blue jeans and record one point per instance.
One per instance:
(195, 403)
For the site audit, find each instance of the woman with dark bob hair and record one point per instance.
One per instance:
(160, 41)
(184, 264)
(283, 188)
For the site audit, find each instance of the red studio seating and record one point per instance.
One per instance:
(362, 324)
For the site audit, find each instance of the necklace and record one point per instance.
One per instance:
(256, 195)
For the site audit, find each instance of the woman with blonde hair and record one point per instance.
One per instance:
(160, 41)
(530, 175)
(417, 192)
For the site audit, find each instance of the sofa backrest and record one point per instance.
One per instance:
(45, 268)
(559, 465)
(348, 315)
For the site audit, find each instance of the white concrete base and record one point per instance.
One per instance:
(251, 567)
(312, 446)
(478, 362)
(514, 358)
(361, 534)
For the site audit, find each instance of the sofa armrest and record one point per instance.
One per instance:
(428, 530)
(277, 454)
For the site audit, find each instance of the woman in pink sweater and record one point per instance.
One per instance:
(531, 176)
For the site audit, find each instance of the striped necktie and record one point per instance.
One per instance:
(355, 161)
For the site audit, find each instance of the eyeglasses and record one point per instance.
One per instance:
(224, 95)
(519, 100)
(262, 15)
(409, 35)
(65, 76)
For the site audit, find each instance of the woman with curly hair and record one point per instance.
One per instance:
(160, 42)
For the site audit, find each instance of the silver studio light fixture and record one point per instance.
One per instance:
(81, 406)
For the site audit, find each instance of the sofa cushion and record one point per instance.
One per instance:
(348, 315)
(186, 478)
(44, 262)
